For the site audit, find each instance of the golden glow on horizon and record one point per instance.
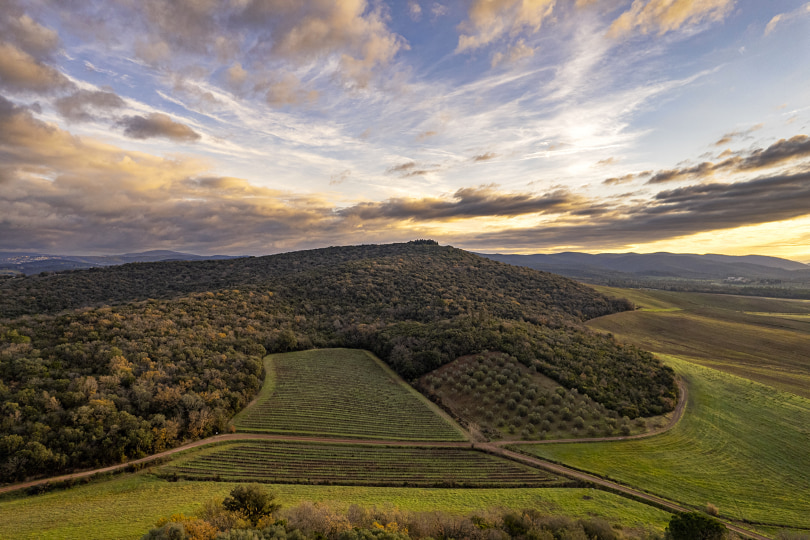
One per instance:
(789, 239)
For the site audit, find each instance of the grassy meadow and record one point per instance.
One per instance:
(342, 393)
(741, 446)
(762, 339)
(345, 464)
(126, 507)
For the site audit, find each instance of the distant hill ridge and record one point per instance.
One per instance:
(34, 263)
(656, 265)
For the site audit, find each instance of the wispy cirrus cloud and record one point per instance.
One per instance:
(662, 16)
(411, 169)
(784, 18)
(625, 178)
(259, 46)
(737, 134)
(491, 20)
(486, 156)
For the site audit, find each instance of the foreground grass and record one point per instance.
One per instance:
(741, 446)
(342, 393)
(126, 507)
(762, 339)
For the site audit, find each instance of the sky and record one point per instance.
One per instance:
(248, 127)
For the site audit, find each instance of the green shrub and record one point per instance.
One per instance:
(599, 529)
(695, 526)
(253, 501)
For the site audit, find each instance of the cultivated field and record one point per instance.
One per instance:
(762, 339)
(741, 446)
(344, 464)
(125, 507)
(343, 393)
(508, 401)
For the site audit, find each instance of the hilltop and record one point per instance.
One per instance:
(448, 271)
(107, 364)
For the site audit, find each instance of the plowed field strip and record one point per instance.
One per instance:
(348, 464)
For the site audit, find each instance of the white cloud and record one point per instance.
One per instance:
(414, 10)
(784, 18)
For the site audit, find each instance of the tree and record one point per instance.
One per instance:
(253, 501)
(695, 526)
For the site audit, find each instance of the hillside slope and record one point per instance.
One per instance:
(84, 384)
(389, 268)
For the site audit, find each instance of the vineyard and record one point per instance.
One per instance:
(343, 464)
(343, 393)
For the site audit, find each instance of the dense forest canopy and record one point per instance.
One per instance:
(103, 365)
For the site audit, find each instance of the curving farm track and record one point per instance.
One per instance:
(495, 448)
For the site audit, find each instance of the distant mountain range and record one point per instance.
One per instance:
(606, 266)
(34, 263)
(584, 266)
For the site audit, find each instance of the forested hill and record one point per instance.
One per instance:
(84, 384)
(474, 282)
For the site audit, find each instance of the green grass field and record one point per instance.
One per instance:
(344, 464)
(126, 507)
(741, 446)
(343, 393)
(762, 339)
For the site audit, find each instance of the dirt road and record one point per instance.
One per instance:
(224, 438)
(678, 413)
(612, 486)
(494, 448)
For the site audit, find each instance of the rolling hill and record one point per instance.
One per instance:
(102, 365)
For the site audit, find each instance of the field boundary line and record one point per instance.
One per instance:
(419, 395)
(268, 386)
